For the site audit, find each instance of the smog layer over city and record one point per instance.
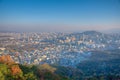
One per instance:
(59, 39)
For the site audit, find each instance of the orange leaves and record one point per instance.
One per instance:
(6, 59)
(15, 69)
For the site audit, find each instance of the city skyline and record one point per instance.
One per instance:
(59, 15)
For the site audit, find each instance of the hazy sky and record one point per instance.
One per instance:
(59, 15)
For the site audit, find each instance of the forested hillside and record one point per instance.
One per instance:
(102, 65)
(12, 71)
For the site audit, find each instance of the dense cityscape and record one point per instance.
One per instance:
(66, 49)
(87, 55)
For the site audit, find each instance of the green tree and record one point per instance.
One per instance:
(30, 76)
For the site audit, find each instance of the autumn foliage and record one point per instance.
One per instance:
(14, 68)
(6, 59)
(9, 70)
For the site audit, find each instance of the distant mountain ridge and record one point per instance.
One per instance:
(91, 32)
